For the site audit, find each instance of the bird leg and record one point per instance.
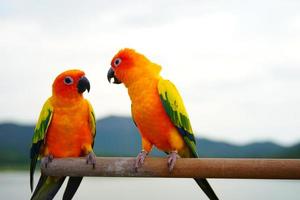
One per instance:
(172, 160)
(91, 159)
(46, 160)
(139, 161)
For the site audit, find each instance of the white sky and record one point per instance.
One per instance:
(236, 63)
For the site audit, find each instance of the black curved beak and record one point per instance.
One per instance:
(83, 84)
(111, 74)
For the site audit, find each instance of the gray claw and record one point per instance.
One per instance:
(172, 160)
(140, 159)
(91, 159)
(46, 160)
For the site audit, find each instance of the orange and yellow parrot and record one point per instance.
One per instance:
(157, 110)
(66, 128)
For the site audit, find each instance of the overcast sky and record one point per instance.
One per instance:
(236, 63)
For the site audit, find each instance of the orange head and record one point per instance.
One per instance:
(128, 66)
(70, 84)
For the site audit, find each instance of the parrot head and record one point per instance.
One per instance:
(70, 84)
(128, 66)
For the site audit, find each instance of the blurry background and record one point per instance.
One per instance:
(236, 64)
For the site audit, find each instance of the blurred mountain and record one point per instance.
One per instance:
(118, 136)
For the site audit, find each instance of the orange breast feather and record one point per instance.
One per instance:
(69, 131)
(152, 120)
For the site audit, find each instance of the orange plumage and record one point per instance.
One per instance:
(157, 109)
(141, 77)
(66, 128)
(69, 134)
(152, 120)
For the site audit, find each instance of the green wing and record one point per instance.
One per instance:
(40, 132)
(92, 120)
(173, 104)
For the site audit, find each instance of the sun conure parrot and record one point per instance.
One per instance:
(66, 128)
(157, 110)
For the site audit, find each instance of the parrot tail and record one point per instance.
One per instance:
(72, 187)
(207, 189)
(32, 168)
(47, 187)
(34, 157)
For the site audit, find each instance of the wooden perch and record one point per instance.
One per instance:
(184, 168)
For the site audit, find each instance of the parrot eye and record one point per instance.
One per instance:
(117, 62)
(68, 80)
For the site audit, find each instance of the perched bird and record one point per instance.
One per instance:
(66, 128)
(157, 110)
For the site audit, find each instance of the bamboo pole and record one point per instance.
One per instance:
(184, 168)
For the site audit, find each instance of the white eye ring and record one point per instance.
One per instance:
(117, 62)
(68, 80)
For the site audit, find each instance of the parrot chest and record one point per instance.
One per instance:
(153, 122)
(69, 131)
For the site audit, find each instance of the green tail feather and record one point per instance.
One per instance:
(32, 168)
(35, 148)
(72, 187)
(207, 189)
(47, 187)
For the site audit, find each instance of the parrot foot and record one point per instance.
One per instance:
(139, 161)
(46, 160)
(91, 159)
(172, 160)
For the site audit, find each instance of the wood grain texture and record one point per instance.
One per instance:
(185, 168)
